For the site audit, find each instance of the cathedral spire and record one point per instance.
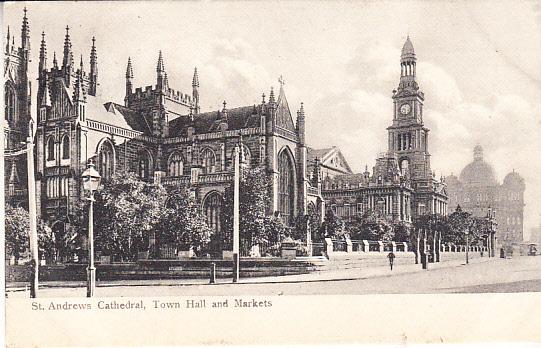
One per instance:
(25, 33)
(55, 62)
(129, 81)
(45, 98)
(7, 42)
(93, 69)
(42, 54)
(195, 92)
(160, 70)
(67, 60)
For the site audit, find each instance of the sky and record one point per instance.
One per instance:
(478, 63)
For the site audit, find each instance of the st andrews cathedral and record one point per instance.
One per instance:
(160, 134)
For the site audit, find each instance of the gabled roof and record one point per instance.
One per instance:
(325, 156)
(283, 113)
(208, 122)
(134, 120)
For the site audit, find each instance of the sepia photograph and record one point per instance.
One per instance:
(169, 159)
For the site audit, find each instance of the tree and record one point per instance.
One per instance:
(402, 232)
(372, 226)
(128, 209)
(17, 225)
(182, 223)
(333, 226)
(254, 197)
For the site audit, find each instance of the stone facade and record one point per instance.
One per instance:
(401, 185)
(17, 102)
(158, 133)
(476, 190)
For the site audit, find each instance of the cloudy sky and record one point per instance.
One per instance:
(479, 64)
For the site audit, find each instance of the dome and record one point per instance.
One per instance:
(407, 49)
(478, 172)
(451, 180)
(513, 179)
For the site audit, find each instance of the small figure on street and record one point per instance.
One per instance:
(391, 257)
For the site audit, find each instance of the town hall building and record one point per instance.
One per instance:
(402, 185)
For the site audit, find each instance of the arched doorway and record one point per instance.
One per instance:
(286, 187)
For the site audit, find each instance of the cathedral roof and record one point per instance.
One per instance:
(478, 172)
(208, 122)
(96, 110)
(132, 118)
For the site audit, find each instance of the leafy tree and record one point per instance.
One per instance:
(372, 226)
(254, 197)
(401, 231)
(182, 223)
(333, 226)
(17, 224)
(311, 220)
(17, 233)
(127, 210)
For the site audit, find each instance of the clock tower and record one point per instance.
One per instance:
(408, 137)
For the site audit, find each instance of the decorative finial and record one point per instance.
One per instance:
(160, 67)
(263, 98)
(55, 62)
(271, 96)
(195, 79)
(129, 70)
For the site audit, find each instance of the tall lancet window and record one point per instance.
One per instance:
(286, 187)
(208, 161)
(10, 101)
(144, 165)
(176, 164)
(65, 147)
(106, 160)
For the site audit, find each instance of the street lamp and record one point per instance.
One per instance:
(91, 183)
(467, 233)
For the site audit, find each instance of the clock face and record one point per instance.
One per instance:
(405, 109)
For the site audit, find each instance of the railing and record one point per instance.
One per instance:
(175, 180)
(339, 245)
(373, 245)
(214, 178)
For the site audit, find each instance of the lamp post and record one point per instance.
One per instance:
(91, 183)
(467, 233)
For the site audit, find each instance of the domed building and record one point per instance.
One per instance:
(477, 189)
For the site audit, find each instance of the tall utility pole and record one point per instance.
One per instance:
(236, 205)
(33, 215)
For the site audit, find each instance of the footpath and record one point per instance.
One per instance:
(318, 276)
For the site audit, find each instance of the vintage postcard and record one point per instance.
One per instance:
(304, 172)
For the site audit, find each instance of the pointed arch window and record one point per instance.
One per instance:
(50, 149)
(176, 164)
(144, 165)
(106, 160)
(212, 207)
(10, 102)
(286, 187)
(208, 161)
(65, 147)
